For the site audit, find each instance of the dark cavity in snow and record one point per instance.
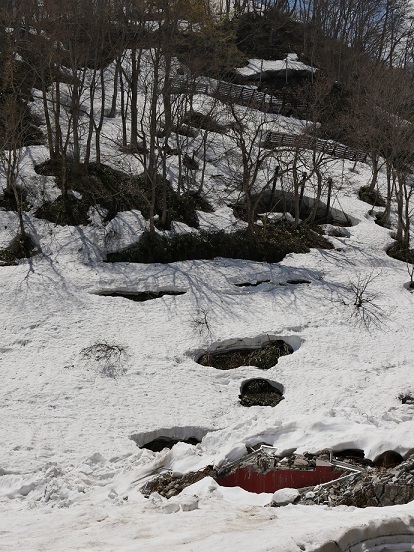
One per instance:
(292, 281)
(139, 296)
(406, 398)
(263, 357)
(388, 459)
(353, 456)
(162, 438)
(260, 392)
(157, 445)
(252, 284)
(349, 453)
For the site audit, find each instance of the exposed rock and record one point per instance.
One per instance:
(169, 484)
(336, 231)
(300, 462)
(285, 496)
(372, 487)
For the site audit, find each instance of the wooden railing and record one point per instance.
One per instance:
(282, 103)
(273, 140)
(244, 95)
(182, 85)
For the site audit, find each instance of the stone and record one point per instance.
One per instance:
(299, 462)
(372, 487)
(282, 497)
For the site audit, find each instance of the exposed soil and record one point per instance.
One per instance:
(398, 252)
(140, 296)
(8, 201)
(65, 211)
(115, 191)
(264, 358)
(266, 245)
(259, 392)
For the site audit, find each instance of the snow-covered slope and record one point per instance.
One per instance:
(70, 471)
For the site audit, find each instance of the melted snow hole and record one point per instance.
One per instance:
(293, 281)
(139, 296)
(260, 392)
(252, 284)
(387, 459)
(262, 352)
(392, 535)
(159, 439)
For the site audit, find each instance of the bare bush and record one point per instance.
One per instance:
(365, 309)
(201, 323)
(109, 359)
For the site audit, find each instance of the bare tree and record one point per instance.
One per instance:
(254, 164)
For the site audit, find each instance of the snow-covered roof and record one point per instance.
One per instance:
(255, 67)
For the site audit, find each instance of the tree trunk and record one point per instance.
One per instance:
(112, 112)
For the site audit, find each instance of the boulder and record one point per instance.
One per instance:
(282, 497)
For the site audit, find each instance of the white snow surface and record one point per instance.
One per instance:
(70, 472)
(70, 465)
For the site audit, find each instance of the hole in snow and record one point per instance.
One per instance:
(262, 352)
(350, 453)
(388, 459)
(393, 535)
(252, 284)
(398, 252)
(409, 286)
(139, 296)
(157, 445)
(159, 439)
(260, 392)
(298, 281)
(352, 456)
(406, 398)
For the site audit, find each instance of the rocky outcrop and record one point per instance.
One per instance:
(169, 484)
(376, 486)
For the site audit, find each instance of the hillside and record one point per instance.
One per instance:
(178, 290)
